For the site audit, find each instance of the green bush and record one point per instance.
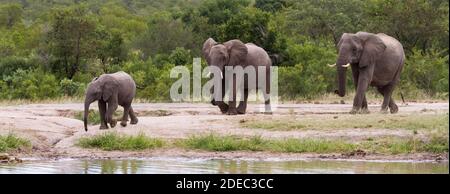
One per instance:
(114, 141)
(8, 65)
(180, 56)
(426, 72)
(32, 84)
(11, 142)
(310, 76)
(71, 88)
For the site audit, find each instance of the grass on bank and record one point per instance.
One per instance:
(113, 141)
(374, 120)
(211, 142)
(11, 142)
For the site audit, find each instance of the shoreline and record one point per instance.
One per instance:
(54, 132)
(173, 153)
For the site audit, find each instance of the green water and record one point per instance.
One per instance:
(208, 166)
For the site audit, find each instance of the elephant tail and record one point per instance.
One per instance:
(403, 99)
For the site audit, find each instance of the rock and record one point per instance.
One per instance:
(4, 156)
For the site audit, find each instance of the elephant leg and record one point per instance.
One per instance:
(243, 104)
(126, 110)
(134, 119)
(364, 106)
(267, 105)
(387, 93)
(232, 102)
(102, 110)
(218, 100)
(363, 83)
(392, 106)
(112, 107)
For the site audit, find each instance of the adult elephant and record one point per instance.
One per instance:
(376, 60)
(111, 90)
(235, 53)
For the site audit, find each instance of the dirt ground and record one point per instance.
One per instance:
(53, 132)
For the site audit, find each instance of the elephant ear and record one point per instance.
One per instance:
(207, 48)
(338, 45)
(109, 88)
(237, 52)
(372, 49)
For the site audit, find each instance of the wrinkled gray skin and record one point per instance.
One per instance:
(376, 60)
(111, 90)
(235, 53)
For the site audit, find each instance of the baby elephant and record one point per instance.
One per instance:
(111, 90)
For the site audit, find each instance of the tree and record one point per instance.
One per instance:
(414, 23)
(72, 40)
(252, 25)
(164, 35)
(207, 19)
(270, 5)
(325, 19)
(10, 14)
(110, 49)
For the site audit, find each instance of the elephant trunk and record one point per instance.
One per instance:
(342, 76)
(87, 103)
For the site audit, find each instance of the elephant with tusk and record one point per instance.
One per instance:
(376, 60)
(111, 90)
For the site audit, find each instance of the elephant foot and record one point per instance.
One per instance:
(134, 121)
(123, 124)
(364, 111)
(240, 111)
(393, 109)
(113, 123)
(232, 112)
(384, 111)
(103, 127)
(223, 108)
(354, 111)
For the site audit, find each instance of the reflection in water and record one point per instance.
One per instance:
(182, 165)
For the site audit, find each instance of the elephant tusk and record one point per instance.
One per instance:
(221, 75)
(348, 64)
(209, 74)
(332, 65)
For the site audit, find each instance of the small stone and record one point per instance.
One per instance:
(4, 156)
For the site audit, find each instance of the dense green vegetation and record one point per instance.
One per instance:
(114, 141)
(54, 48)
(11, 142)
(212, 142)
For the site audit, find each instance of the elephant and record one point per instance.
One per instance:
(111, 90)
(376, 60)
(235, 53)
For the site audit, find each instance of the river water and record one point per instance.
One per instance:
(208, 166)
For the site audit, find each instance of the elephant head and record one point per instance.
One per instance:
(102, 88)
(361, 49)
(231, 53)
